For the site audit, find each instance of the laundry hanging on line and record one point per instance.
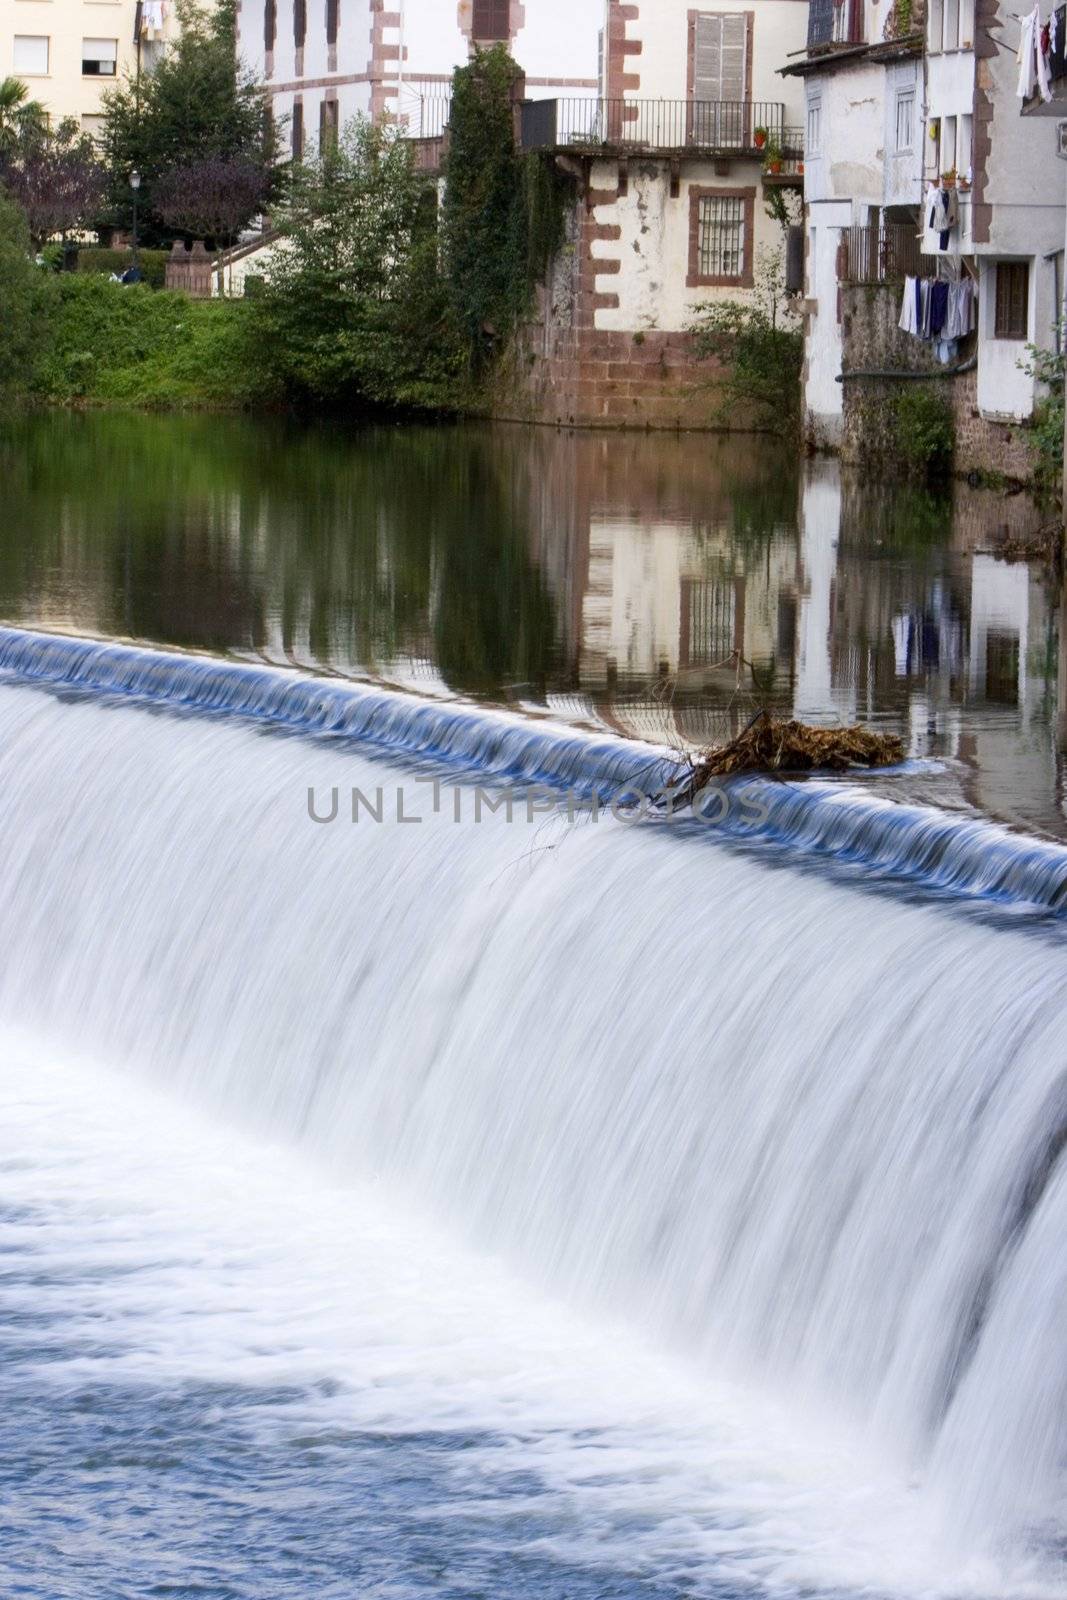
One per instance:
(937, 311)
(1037, 41)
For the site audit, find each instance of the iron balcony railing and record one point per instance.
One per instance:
(835, 22)
(430, 119)
(715, 126)
(888, 254)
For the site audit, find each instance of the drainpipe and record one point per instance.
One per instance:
(920, 377)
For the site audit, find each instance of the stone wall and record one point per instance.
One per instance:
(872, 341)
(565, 370)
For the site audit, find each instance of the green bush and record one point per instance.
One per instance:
(1046, 440)
(761, 348)
(924, 434)
(153, 263)
(26, 293)
(128, 344)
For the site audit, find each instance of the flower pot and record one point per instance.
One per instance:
(759, 139)
(774, 166)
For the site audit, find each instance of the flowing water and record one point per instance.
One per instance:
(627, 1206)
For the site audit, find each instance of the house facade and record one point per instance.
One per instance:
(676, 165)
(68, 52)
(903, 104)
(330, 60)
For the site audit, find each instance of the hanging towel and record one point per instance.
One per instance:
(907, 322)
(1027, 56)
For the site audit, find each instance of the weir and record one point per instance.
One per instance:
(794, 1130)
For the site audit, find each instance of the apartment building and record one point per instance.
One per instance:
(903, 104)
(326, 62)
(68, 52)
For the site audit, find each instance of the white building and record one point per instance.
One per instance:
(326, 62)
(863, 120)
(68, 52)
(896, 103)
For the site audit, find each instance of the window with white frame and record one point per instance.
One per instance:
(935, 21)
(963, 146)
(813, 133)
(100, 58)
(721, 237)
(30, 57)
(905, 132)
(952, 24)
(947, 156)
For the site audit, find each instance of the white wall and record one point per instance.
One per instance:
(65, 23)
(822, 345)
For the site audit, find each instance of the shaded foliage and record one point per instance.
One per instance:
(761, 347)
(57, 178)
(354, 305)
(25, 296)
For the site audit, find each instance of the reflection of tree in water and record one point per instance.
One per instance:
(342, 546)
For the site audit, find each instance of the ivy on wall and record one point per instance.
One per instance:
(503, 216)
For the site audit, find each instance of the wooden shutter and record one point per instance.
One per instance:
(331, 21)
(720, 47)
(1013, 300)
(300, 22)
(270, 24)
(492, 20)
(298, 132)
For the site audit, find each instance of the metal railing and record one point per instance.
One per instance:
(888, 254)
(717, 126)
(430, 119)
(835, 22)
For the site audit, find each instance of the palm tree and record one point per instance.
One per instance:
(20, 117)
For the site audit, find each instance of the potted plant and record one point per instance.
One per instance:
(772, 157)
(759, 137)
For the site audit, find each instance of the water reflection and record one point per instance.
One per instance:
(610, 578)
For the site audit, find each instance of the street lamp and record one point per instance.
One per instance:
(135, 184)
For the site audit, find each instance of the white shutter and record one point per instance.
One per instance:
(707, 57)
(99, 57)
(734, 49)
(31, 55)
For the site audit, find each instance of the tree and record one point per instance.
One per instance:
(58, 180)
(20, 118)
(215, 198)
(193, 106)
(24, 291)
(761, 348)
(354, 305)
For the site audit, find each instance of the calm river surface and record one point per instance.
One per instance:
(606, 577)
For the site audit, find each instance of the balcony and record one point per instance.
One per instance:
(720, 128)
(1057, 72)
(887, 254)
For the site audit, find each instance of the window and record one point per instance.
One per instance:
(332, 7)
(963, 146)
(813, 137)
(270, 24)
(492, 20)
(328, 114)
(720, 237)
(31, 55)
(100, 58)
(952, 24)
(718, 73)
(947, 156)
(300, 22)
(934, 26)
(1012, 318)
(905, 118)
(720, 49)
(298, 131)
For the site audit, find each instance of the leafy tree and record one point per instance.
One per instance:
(354, 305)
(57, 178)
(214, 198)
(20, 118)
(24, 292)
(193, 106)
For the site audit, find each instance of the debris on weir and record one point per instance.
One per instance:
(771, 745)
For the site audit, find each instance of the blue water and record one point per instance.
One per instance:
(507, 1208)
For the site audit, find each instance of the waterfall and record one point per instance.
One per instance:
(799, 1120)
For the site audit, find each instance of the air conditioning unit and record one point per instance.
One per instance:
(1061, 140)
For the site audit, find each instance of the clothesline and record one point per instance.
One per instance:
(1037, 46)
(938, 312)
